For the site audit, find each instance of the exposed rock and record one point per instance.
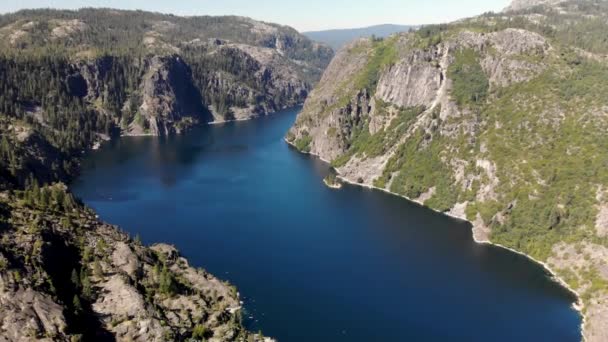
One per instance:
(119, 300)
(486, 192)
(170, 101)
(601, 222)
(413, 81)
(597, 312)
(517, 5)
(27, 314)
(459, 210)
(242, 68)
(125, 259)
(66, 28)
(468, 120)
(428, 195)
(481, 232)
(127, 291)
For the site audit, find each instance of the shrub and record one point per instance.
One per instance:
(303, 143)
(470, 83)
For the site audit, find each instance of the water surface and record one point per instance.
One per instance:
(315, 264)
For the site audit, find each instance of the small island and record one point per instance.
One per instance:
(332, 181)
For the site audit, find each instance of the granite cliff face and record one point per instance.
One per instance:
(170, 101)
(498, 119)
(157, 74)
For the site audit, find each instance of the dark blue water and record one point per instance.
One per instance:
(315, 264)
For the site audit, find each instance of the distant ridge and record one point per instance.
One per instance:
(339, 37)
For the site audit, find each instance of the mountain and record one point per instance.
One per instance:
(149, 73)
(499, 119)
(71, 79)
(340, 37)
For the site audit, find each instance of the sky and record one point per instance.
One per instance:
(304, 15)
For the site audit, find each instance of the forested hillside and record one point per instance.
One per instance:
(498, 119)
(72, 79)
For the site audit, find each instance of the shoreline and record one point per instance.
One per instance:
(578, 305)
(98, 144)
(336, 186)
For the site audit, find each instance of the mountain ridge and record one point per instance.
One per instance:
(337, 38)
(238, 65)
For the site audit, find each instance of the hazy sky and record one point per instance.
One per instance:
(304, 15)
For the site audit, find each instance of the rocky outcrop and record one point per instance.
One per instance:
(170, 101)
(273, 83)
(28, 314)
(517, 5)
(326, 129)
(172, 73)
(420, 80)
(483, 120)
(71, 276)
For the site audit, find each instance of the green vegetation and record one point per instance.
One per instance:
(564, 152)
(117, 32)
(167, 283)
(545, 135)
(199, 332)
(429, 35)
(418, 167)
(303, 143)
(71, 91)
(363, 143)
(470, 83)
(332, 181)
(384, 54)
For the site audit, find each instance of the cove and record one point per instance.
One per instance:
(312, 263)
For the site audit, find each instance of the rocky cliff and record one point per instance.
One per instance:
(498, 119)
(157, 74)
(69, 80)
(66, 276)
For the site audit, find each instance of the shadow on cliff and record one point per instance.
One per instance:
(187, 95)
(60, 260)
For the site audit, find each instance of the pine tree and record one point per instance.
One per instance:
(77, 305)
(167, 283)
(75, 279)
(87, 290)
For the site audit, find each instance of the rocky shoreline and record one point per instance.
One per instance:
(578, 306)
(82, 278)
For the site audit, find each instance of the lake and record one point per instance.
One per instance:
(312, 263)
